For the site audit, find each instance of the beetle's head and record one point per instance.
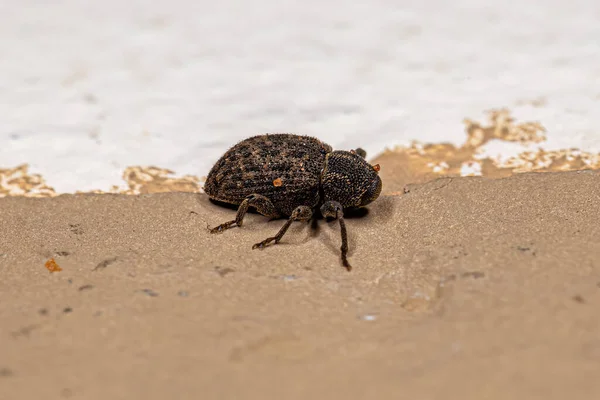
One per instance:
(349, 179)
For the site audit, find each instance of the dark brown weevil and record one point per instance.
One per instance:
(286, 175)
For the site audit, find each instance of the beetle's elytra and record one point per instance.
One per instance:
(293, 176)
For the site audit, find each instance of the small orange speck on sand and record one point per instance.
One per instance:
(52, 266)
(277, 182)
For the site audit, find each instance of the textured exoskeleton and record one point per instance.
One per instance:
(293, 176)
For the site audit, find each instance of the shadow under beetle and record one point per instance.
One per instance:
(287, 175)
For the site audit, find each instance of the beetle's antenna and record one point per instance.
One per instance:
(361, 152)
(344, 247)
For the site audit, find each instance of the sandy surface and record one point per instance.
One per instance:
(461, 288)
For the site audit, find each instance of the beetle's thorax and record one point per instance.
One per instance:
(349, 179)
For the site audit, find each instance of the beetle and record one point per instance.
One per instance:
(293, 176)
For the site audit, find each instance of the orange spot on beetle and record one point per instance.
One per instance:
(52, 266)
(277, 182)
(376, 167)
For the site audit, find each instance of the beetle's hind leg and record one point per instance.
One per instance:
(259, 202)
(300, 213)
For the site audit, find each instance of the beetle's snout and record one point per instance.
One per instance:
(372, 192)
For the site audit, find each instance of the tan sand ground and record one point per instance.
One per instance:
(462, 288)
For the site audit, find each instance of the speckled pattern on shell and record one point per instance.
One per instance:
(252, 166)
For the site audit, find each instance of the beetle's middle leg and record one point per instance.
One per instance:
(300, 213)
(259, 202)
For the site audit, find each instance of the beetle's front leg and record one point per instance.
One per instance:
(333, 209)
(300, 213)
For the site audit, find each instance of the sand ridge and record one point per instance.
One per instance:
(417, 163)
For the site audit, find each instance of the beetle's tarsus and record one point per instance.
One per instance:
(346, 263)
(223, 227)
(265, 243)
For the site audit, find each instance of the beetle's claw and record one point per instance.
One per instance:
(346, 263)
(217, 229)
(264, 243)
(222, 227)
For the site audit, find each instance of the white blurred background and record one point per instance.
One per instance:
(90, 87)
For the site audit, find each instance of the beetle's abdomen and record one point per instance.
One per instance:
(285, 168)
